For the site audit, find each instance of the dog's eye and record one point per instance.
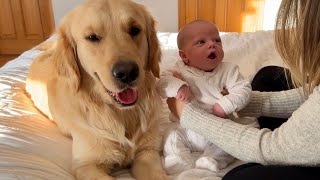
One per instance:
(93, 38)
(134, 31)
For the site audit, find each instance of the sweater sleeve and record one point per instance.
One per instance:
(273, 104)
(239, 91)
(296, 142)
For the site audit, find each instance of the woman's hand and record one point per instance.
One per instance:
(175, 106)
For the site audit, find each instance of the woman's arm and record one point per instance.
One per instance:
(295, 142)
(273, 104)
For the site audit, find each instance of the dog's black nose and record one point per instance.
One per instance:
(125, 71)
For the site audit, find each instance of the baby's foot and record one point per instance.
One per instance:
(207, 163)
(175, 164)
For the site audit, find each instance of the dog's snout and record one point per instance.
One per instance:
(125, 71)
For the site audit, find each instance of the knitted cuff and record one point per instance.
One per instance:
(254, 108)
(226, 105)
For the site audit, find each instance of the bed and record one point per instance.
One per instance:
(32, 147)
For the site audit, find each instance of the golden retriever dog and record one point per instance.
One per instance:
(98, 84)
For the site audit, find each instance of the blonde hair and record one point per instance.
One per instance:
(297, 38)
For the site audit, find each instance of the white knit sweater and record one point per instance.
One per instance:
(296, 142)
(206, 87)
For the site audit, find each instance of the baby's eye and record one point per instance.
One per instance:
(201, 42)
(217, 41)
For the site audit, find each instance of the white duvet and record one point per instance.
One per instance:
(31, 146)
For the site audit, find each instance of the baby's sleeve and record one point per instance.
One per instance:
(239, 90)
(168, 85)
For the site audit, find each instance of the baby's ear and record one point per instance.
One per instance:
(183, 56)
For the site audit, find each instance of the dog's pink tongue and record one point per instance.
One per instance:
(128, 96)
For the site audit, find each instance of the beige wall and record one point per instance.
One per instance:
(164, 11)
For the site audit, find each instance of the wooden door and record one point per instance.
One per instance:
(24, 24)
(228, 15)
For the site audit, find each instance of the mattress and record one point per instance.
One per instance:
(32, 147)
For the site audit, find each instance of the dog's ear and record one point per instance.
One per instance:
(66, 57)
(154, 54)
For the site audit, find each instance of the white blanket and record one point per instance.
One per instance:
(31, 146)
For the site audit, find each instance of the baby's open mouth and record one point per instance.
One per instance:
(126, 97)
(212, 55)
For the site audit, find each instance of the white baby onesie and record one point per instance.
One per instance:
(206, 88)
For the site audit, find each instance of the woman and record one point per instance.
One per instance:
(292, 150)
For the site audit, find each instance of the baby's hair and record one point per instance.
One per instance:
(181, 33)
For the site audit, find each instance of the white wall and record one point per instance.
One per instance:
(270, 14)
(61, 7)
(164, 11)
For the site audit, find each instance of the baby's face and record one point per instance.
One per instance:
(203, 46)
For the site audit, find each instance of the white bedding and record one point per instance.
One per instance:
(31, 146)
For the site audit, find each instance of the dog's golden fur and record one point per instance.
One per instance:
(73, 84)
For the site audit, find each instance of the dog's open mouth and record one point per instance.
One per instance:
(126, 97)
(212, 55)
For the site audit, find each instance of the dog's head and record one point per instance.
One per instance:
(112, 43)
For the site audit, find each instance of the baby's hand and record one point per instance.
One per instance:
(177, 75)
(224, 92)
(218, 111)
(184, 94)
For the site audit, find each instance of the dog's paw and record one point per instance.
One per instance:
(159, 175)
(92, 172)
(106, 178)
